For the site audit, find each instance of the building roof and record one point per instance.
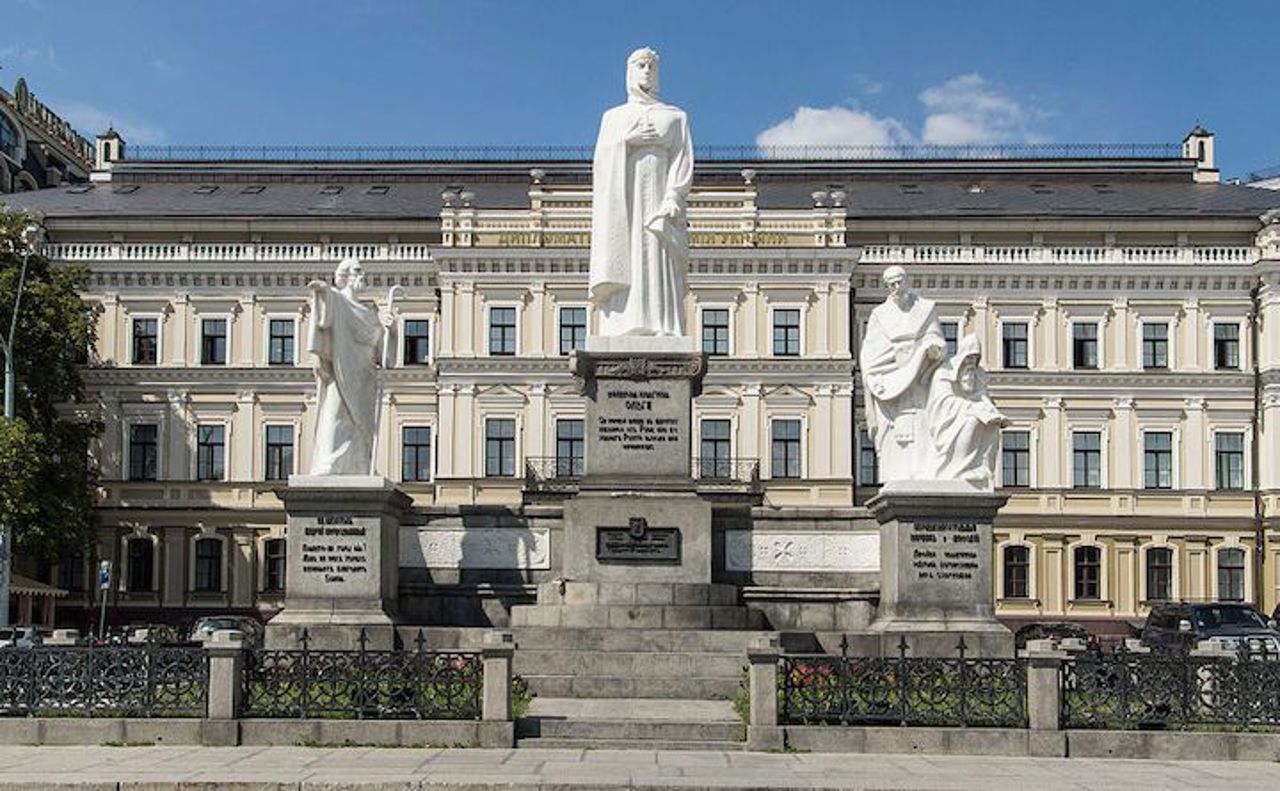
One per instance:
(417, 195)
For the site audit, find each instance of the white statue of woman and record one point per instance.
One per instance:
(347, 338)
(641, 175)
(900, 350)
(963, 422)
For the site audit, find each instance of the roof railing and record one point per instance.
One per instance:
(706, 153)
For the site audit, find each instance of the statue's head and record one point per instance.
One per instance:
(642, 74)
(349, 274)
(968, 356)
(895, 279)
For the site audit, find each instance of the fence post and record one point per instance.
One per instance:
(496, 726)
(225, 650)
(763, 732)
(1044, 685)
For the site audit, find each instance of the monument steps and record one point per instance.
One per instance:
(630, 724)
(656, 687)
(633, 616)
(686, 745)
(443, 638)
(639, 664)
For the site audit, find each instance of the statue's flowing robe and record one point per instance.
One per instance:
(895, 376)
(640, 258)
(345, 336)
(965, 427)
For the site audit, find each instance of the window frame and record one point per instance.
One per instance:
(1004, 593)
(578, 469)
(1214, 433)
(515, 447)
(431, 450)
(402, 360)
(1174, 444)
(773, 324)
(158, 318)
(515, 331)
(1004, 362)
(128, 427)
(1144, 555)
(951, 343)
(1245, 571)
(193, 577)
(865, 444)
(125, 581)
(225, 318)
(803, 467)
(1102, 575)
(1098, 343)
(226, 450)
(1101, 431)
(264, 584)
(1030, 482)
(728, 327)
(268, 338)
(267, 445)
(1169, 335)
(561, 307)
(1241, 352)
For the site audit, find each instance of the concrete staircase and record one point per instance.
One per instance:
(630, 724)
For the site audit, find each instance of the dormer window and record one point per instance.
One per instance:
(331, 189)
(253, 189)
(206, 189)
(379, 189)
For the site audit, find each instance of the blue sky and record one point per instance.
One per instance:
(400, 72)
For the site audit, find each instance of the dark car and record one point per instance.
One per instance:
(1056, 632)
(1177, 627)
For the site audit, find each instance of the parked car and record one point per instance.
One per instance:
(1176, 627)
(161, 633)
(1056, 632)
(204, 628)
(19, 637)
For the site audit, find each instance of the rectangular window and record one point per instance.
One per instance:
(279, 453)
(1017, 568)
(1015, 458)
(1088, 573)
(280, 342)
(1014, 344)
(1155, 346)
(146, 341)
(786, 332)
(573, 329)
(1084, 346)
(716, 451)
(1086, 459)
(950, 334)
(208, 565)
(1228, 459)
(210, 453)
(141, 558)
(868, 463)
(1231, 574)
(1226, 346)
(1159, 574)
(502, 331)
(71, 572)
(570, 448)
(144, 451)
(500, 447)
(274, 550)
(715, 331)
(213, 342)
(1157, 460)
(785, 449)
(417, 341)
(415, 453)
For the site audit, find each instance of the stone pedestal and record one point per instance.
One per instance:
(342, 566)
(935, 571)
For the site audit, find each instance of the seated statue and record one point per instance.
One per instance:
(964, 425)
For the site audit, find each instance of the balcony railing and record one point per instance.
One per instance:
(730, 472)
(552, 474)
(1029, 254)
(561, 475)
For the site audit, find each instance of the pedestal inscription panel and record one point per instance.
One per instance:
(638, 543)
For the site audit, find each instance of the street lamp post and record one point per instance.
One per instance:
(31, 238)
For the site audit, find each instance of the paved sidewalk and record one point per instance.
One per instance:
(354, 768)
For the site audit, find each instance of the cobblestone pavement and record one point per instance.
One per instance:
(353, 768)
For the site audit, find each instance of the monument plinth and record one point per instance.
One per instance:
(342, 567)
(935, 570)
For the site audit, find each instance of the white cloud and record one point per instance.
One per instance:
(90, 120)
(823, 126)
(28, 54)
(964, 110)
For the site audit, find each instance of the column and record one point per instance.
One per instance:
(468, 324)
(750, 346)
(538, 423)
(821, 323)
(534, 326)
(1121, 335)
(173, 554)
(243, 580)
(446, 341)
(1189, 340)
(1193, 446)
(245, 333)
(1053, 460)
(821, 432)
(242, 437)
(842, 314)
(751, 430)
(446, 432)
(181, 318)
(1123, 454)
(175, 462)
(1052, 319)
(113, 335)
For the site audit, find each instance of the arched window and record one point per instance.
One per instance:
(141, 558)
(1231, 574)
(1017, 572)
(1087, 563)
(1159, 574)
(208, 565)
(273, 551)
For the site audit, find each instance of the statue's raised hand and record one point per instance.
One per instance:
(317, 285)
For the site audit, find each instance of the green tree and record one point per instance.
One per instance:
(49, 479)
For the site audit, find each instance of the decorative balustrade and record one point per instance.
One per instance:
(227, 252)
(1025, 254)
(118, 681)
(726, 471)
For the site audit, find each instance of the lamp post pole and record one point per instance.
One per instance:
(31, 236)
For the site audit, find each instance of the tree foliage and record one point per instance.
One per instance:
(48, 476)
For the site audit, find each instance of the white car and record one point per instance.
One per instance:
(19, 637)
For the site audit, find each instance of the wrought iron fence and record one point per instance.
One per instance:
(119, 681)
(714, 152)
(363, 684)
(1127, 690)
(726, 471)
(903, 690)
(552, 473)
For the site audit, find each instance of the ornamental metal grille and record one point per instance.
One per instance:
(902, 690)
(117, 681)
(374, 685)
(1126, 691)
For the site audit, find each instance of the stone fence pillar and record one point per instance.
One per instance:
(225, 648)
(1044, 685)
(497, 650)
(763, 732)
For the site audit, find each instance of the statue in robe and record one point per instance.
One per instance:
(902, 347)
(963, 422)
(347, 338)
(642, 172)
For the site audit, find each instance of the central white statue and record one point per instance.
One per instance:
(641, 175)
